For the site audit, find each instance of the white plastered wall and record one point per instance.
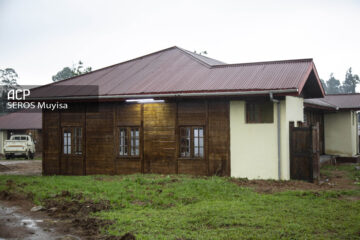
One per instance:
(341, 133)
(253, 147)
(2, 140)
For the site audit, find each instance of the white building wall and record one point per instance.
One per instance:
(3, 136)
(253, 147)
(341, 133)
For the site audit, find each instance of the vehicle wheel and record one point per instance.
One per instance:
(32, 155)
(7, 157)
(27, 156)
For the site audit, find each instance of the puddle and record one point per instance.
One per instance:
(14, 224)
(30, 223)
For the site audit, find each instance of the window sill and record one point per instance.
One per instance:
(191, 158)
(128, 157)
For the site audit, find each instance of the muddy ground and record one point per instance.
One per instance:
(20, 167)
(17, 222)
(339, 180)
(62, 217)
(68, 216)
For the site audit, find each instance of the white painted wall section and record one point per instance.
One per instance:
(253, 146)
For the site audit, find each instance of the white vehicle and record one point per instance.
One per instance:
(19, 145)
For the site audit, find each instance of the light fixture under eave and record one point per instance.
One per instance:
(147, 100)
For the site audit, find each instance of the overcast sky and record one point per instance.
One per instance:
(40, 37)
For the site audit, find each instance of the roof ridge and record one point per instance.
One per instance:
(194, 53)
(196, 59)
(111, 66)
(266, 62)
(342, 94)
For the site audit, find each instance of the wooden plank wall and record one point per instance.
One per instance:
(51, 143)
(127, 115)
(193, 114)
(100, 140)
(159, 138)
(72, 164)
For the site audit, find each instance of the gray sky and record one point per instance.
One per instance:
(40, 37)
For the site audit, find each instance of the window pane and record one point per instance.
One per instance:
(134, 141)
(201, 142)
(78, 140)
(123, 142)
(67, 142)
(185, 141)
(198, 142)
(201, 132)
(259, 112)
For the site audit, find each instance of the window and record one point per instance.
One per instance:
(67, 141)
(192, 142)
(72, 140)
(129, 141)
(78, 140)
(259, 112)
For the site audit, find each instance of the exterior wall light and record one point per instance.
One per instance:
(147, 100)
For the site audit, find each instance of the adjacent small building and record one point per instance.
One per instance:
(21, 123)
(337, 117)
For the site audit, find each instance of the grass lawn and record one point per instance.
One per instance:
(184, 207)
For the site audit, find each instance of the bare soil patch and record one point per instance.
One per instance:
(20, 167)
(337, 181)
(66, 216)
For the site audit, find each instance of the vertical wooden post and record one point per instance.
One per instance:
(206, 143)
(43, 142)
(83, 142)
(142, 138)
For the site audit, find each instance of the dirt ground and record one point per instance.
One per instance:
(20, 167)
(62, 216)
(17, 222)
(339, 180)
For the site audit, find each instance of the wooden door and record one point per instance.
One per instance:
(304, 153)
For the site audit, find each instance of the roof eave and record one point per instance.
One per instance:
(180, 94)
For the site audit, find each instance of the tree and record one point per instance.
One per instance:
(201, 52)
(333, 85)
(8, 81)
(323, 83)
(351, 80)
(68, 72)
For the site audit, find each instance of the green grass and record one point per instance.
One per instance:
(184, 207)
(348, 168)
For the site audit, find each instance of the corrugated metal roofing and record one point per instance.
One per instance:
(21, 120)
(175, 70)
(341, 101)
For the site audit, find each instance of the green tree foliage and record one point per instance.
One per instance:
(351, 80)
(8, 81)
(201, 52)
(333, 85)
(68, 72)
(323, 83)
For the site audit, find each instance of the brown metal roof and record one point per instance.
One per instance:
(21, 120)
(175, 70)
(337, 101)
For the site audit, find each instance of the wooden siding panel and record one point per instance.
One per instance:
(158, 122)
(219, 138)
(51, 145)
(159, 138)
(100, 140)
(192, 113)
(128, 114)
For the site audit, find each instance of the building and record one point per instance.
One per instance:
(337, 116)
(207, 117)
(21, 123)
